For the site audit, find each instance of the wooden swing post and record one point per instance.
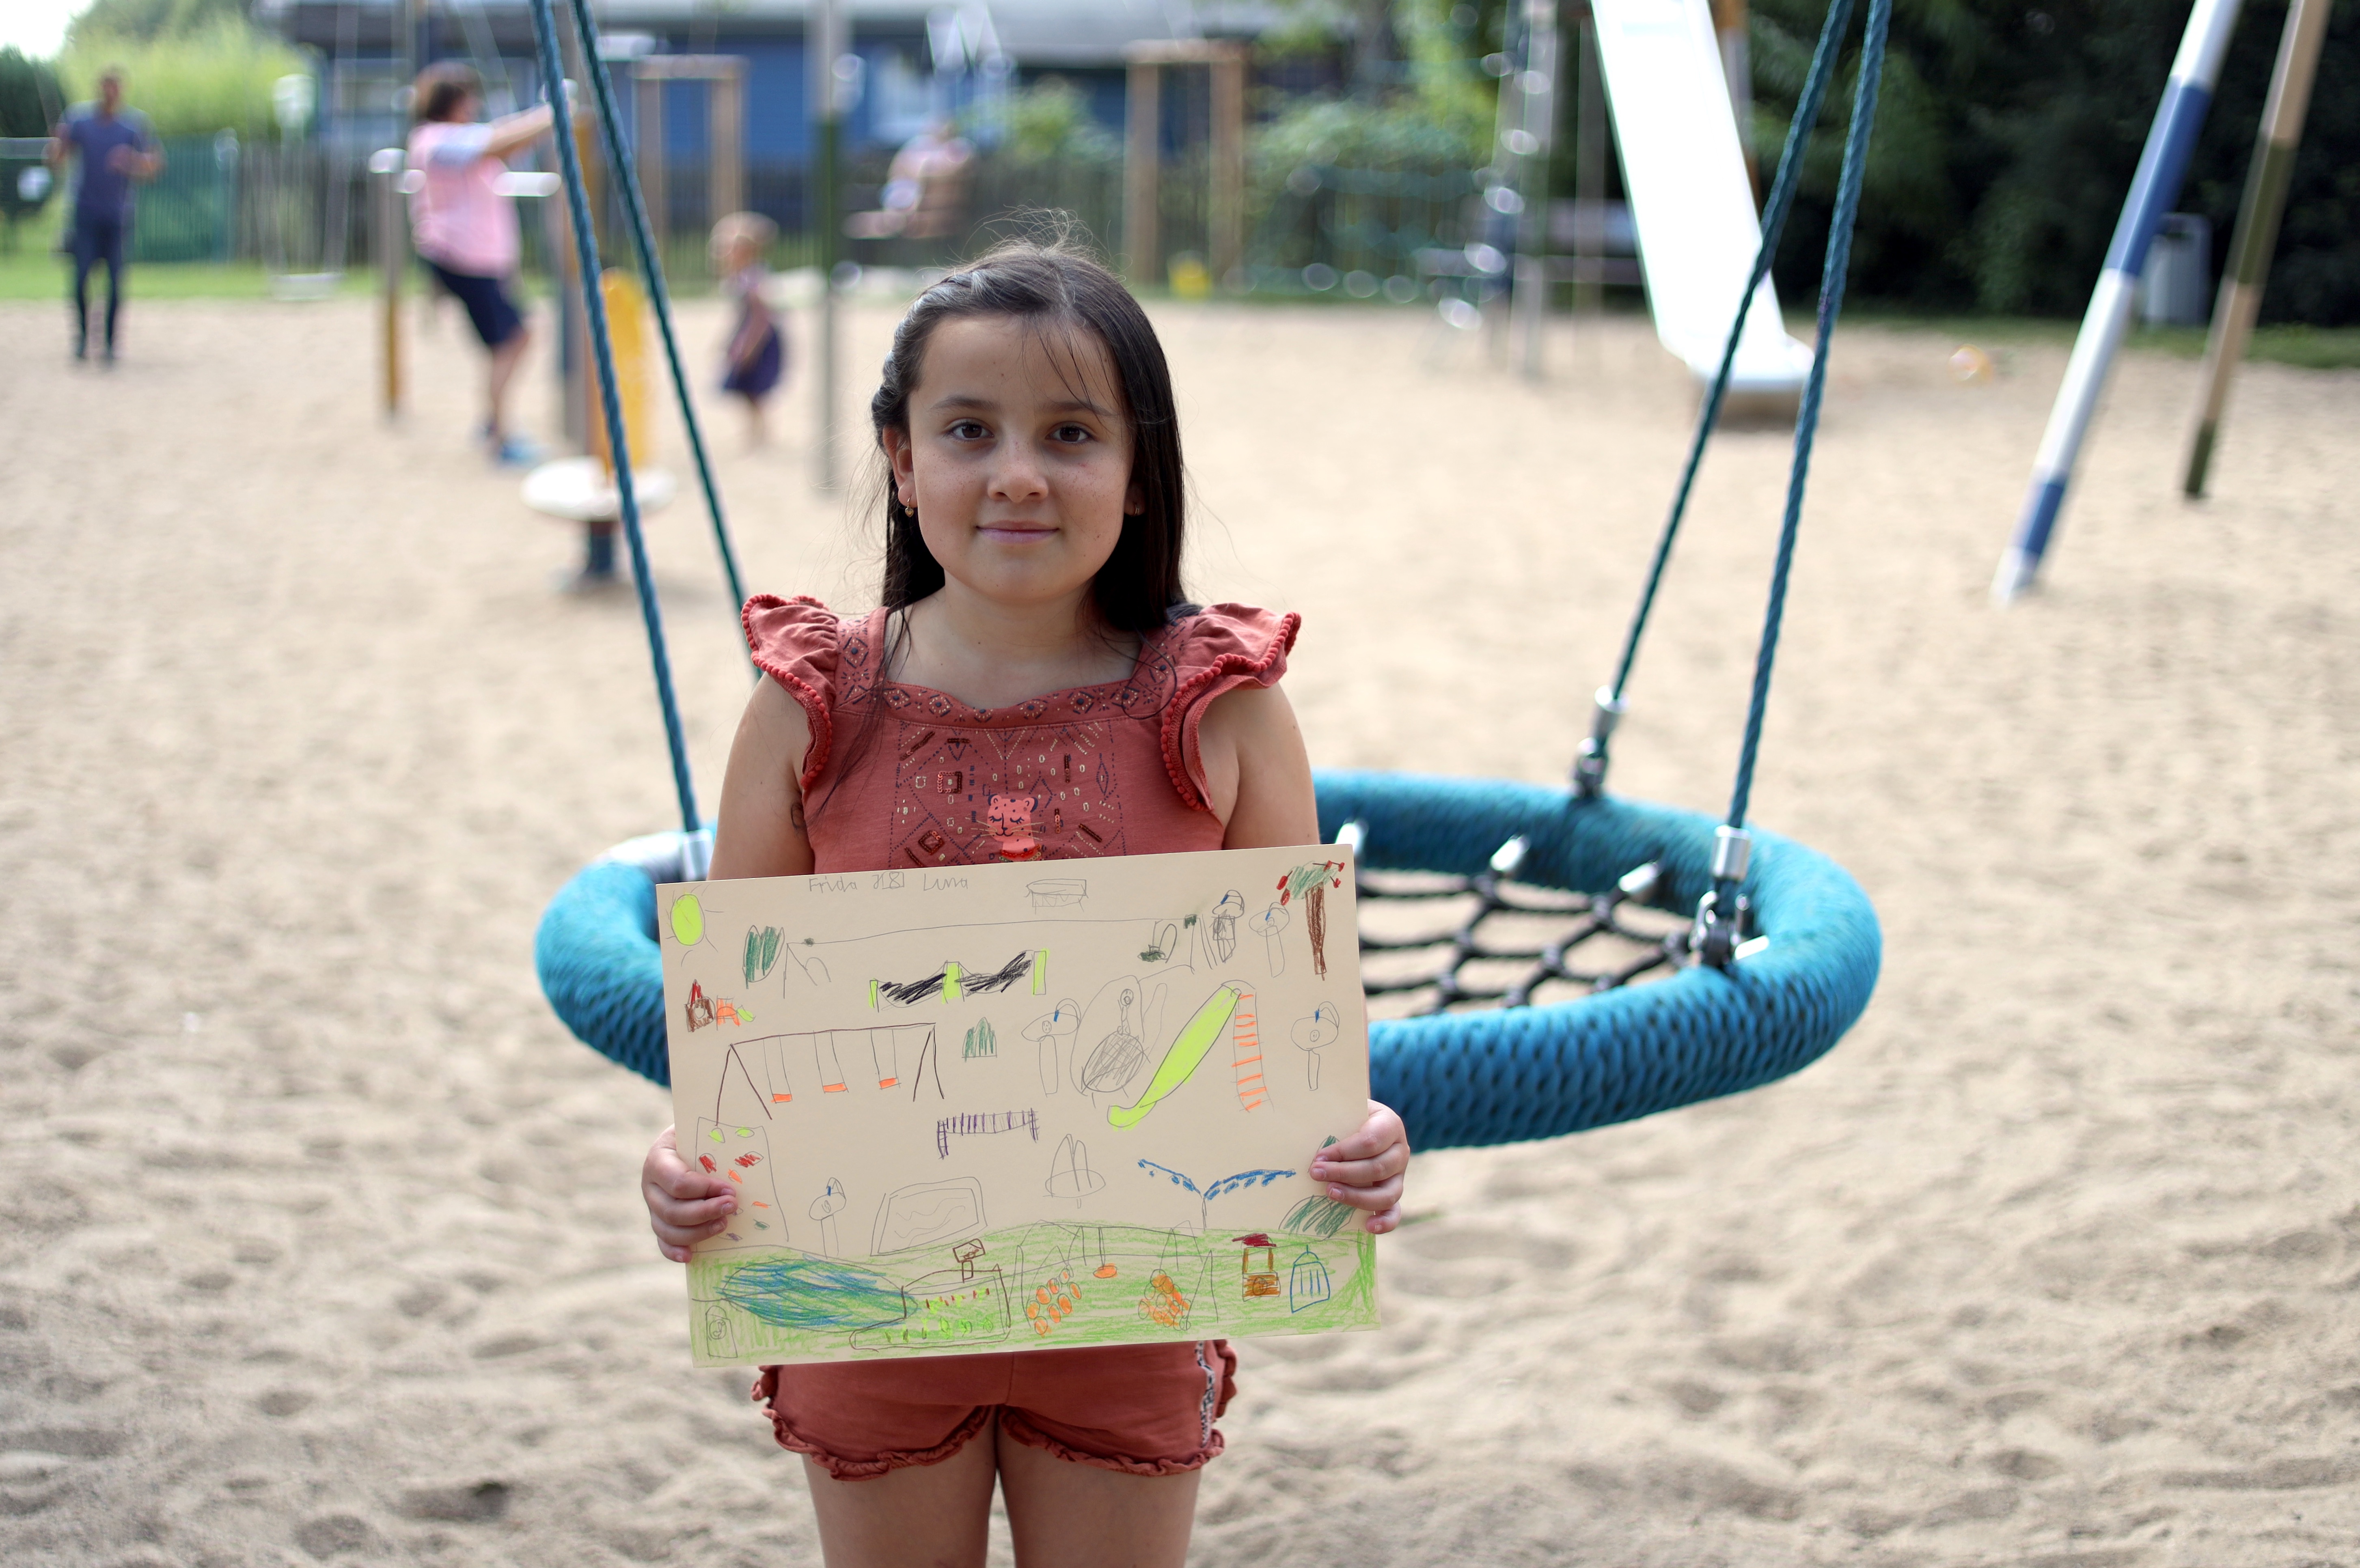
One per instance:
(725, 118)
(1143, 186)
(2256, 236)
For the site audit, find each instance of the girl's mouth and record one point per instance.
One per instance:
(1014, 533)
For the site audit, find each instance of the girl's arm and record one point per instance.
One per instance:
(514, 133)
(760, 834)
(1258, 781)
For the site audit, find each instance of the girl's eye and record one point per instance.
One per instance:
(1070, 434)
(967, 429)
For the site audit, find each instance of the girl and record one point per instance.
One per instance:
(1032, 596)
(757, 354)
(465, 230)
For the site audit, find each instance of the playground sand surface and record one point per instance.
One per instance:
(322, 1239)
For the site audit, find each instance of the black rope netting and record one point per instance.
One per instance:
(1436, 944)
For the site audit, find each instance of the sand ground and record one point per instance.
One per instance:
(321, 1238)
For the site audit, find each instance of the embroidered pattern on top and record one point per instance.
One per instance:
(975, 797)
(971, 797)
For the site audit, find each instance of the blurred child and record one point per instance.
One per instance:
(757, 350)
(465, 230)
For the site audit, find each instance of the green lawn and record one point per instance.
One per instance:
(30, 268)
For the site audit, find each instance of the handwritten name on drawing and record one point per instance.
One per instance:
(884, 882)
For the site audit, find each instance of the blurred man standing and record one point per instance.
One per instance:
(116, 148)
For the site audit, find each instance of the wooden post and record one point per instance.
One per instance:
(726, 122)
(647, 109)
(385, 184)
(725, 118)
(1142, 171)
(1225, 211)
(2255, 239)
(1141, 181)
(582, 421)
(585, 388)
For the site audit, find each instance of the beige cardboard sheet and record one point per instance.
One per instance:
(1020, 1106)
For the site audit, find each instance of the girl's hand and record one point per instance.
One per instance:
(1366, 1169)
(684, 1204)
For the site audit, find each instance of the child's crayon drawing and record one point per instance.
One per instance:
(1135, 1174)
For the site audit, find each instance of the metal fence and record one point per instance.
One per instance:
(1318, 226)
(188, 212)
(303, 208)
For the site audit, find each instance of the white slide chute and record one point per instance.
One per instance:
(1684, 173)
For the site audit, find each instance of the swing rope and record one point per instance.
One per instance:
(1589, 768)
(1521, 959)
(1521, 854)
(594, 309)
(1720, 916)
(651, 266)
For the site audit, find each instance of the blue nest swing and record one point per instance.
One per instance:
(1772, 957)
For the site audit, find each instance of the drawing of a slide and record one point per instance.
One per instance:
(1690, 202)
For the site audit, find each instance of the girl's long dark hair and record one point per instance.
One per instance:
(1050, 287)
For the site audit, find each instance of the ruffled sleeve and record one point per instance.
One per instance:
(1216, 650)
(799, 642)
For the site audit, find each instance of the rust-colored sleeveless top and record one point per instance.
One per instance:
(906, 775)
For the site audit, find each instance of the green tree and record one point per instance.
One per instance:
(1432, 106)
(1051, 120)
(2005, 141)
(149, 19)
(31, 98)
(216, 78)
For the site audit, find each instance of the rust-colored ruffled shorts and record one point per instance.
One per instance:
(1147, 1409)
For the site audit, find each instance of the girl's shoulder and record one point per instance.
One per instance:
(802, 644)
(826, 657)
(1242, 639)
(1206, 652)
(819, 657)
(830, 665)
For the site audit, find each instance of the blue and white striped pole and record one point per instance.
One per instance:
(2169, 141)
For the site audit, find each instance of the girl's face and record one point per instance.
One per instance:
(1017, 458)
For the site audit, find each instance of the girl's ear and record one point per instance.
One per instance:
(1134, 500)
(899, 453)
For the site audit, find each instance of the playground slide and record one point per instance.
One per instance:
(1685, 174)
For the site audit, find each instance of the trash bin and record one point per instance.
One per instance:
(2176, 290)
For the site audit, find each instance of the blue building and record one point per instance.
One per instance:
(919, 61)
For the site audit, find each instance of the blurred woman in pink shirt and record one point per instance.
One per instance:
(465, 230)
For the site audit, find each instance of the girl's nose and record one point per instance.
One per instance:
(1019, 477)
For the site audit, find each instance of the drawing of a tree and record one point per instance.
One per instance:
(1311, 883)
(1222, 1188)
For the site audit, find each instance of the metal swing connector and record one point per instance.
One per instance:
(1589, 765)
(1733, 852)
(1509, 859)
(1716, 938)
